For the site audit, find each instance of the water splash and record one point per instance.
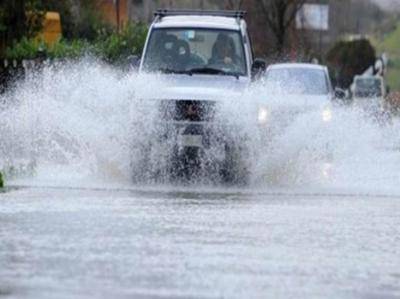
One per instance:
(71, 114)
(84, 121)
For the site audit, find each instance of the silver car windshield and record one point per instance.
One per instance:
(195, 50)
(297, 81)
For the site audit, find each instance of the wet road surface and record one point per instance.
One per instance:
(76, 243)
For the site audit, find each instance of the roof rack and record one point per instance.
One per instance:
(238, 14)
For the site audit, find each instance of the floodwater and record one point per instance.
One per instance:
(165, 243)
(73, 225)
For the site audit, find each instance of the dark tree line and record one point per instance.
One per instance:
(271, 22)
(349, 58)
(280, 16)
(24, 18)
(14, 22)
(274, 18)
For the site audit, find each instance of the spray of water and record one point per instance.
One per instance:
(70, 116)
(85, 121)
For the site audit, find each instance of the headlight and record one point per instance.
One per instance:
(327, 115)
(262, 115)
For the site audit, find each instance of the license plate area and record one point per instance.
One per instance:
(191, 140)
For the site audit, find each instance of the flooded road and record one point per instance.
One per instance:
(183, 243)
(321, 218)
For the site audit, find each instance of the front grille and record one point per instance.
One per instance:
(187, 110)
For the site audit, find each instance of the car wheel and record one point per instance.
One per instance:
(184, 166)
(234, 170)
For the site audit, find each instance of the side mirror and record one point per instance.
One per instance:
(134, 61)
(259, 66)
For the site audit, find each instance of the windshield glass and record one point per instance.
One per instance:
(296, 81)
(195, 50)
(368, 87)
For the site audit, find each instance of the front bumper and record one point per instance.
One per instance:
(199, 134)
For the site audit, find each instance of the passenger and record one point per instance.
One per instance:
(162, 53)
(183, 54)
(223, 52)
(169, 49)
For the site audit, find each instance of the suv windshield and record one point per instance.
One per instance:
(296, 81)
(368, 87)
(195, 50)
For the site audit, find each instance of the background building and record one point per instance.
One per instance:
(115, 12)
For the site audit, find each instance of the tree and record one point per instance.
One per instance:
(18, 18)
(350, 58)
(89, 21)
(279, 15)
(24, 18)
(233, 4)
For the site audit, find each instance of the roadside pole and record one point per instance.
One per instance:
(1, 181)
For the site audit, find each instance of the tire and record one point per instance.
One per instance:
(235, 169)
(140, 164)
(185, 166)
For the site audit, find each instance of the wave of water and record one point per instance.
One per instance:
(77, 123)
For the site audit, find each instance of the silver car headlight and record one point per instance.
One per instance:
(263, 115)
(327, 115)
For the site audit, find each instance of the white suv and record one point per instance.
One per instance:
(206, 57)
(369, 92)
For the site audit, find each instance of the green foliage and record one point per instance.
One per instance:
(390, 44)
(89, 23)
(18, 18)
(393, 74)
(68, 49)
(31, 49)
(110, 46)
(350, 58)
(25, 49)
(24, 18)
(34, 16)
(115, 46)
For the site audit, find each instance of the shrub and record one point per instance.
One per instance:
(348, 59)
(25, 49)
(117, 46)
(110, 46)
(68, 49)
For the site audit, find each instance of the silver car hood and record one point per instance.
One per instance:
(297, 102)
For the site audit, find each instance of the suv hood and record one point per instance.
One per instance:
(197, 87)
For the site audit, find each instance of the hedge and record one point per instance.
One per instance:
(350, 58)
(110, 46)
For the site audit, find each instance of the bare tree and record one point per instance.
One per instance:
(280, 15)
(233, 4)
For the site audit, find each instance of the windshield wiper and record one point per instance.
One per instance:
(172, 71)
(203, 70)
(212, 71)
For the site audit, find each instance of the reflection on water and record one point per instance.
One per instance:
(58, 243)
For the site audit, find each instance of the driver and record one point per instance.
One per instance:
(223, 52)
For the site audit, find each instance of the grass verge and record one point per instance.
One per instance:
(390, 44)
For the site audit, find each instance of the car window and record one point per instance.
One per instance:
(182, 49)
(296, 81)
(368, 87)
